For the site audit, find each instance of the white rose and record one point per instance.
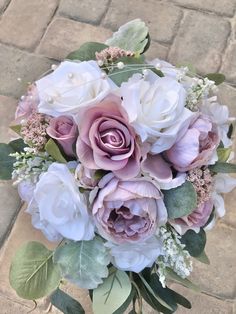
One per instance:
(135, 256)
(72, 86)
(155, 108)
(58, 205)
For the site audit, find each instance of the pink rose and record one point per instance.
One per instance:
(64, 130)
(198, 218)
(106, 140)
(128, 211)
(28, 103)
(196, 146)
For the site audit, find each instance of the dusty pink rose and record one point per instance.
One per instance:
(106, 140)
(196, 147)
(198, 218)
(28, 103)
(65, 131)
(128, 211)
(87, 178)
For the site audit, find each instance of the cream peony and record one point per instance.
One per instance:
(57, 205)
(72, 86)
(156, 109)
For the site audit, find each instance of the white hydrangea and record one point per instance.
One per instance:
(174, 256)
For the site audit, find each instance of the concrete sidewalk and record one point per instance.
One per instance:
(36, 33)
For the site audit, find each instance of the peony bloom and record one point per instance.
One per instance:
(219, 114)
(156, 109)
(106, 141)
(71, 87)
(65, 131)
(196, 146)
(128, 211)
(57, 205)
(135, 256)
(198, 218)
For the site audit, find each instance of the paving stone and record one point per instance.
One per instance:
(3, 5)
(227, 96)
(14, 64)
(202, 303)
(7, 112)
(90, 11)
(218, 278)
(8, 306)
(64, 36)
(162, 19)
(200, 41)
(229, 63)
(25, 21)
(226, 7)
(156, 50)
(9, 205)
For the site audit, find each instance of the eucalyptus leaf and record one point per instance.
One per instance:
(194, 241)
(18, 145)
(184, 281)
(6, 161)
(33, 274)
(112, 293)
(223, 154)
(84, 263)
(180, 201)
(87, 51)
(223, 167)
(66, 303)
(230, 131)
(53, 150)
(156, 296)
(125, 305)
(131, 36)
(203, 258)
(218, 78)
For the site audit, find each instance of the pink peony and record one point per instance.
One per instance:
(128, 211)
(198, 218)
(106, 140)
(196, 146)
(64, 130)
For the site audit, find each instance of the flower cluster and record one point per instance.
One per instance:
(108, 152)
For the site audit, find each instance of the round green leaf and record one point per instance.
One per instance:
(33, 274)
(180, 201)
(112, 293)
(6, 161)
(223, 167)
(84, 263)
(195, 242)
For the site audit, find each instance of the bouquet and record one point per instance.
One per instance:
(122, 162)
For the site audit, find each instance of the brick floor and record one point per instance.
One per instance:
(36, 33)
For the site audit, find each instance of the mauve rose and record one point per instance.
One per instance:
(196, 147)
(106, 140)
(65, 131)
(128, 211)
(198, 218)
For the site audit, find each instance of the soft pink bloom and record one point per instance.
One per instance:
(128, 211)
(28, 103)
(198, 218)
(106, 140)
(86, 177)
(64, 130)
(196, 147)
